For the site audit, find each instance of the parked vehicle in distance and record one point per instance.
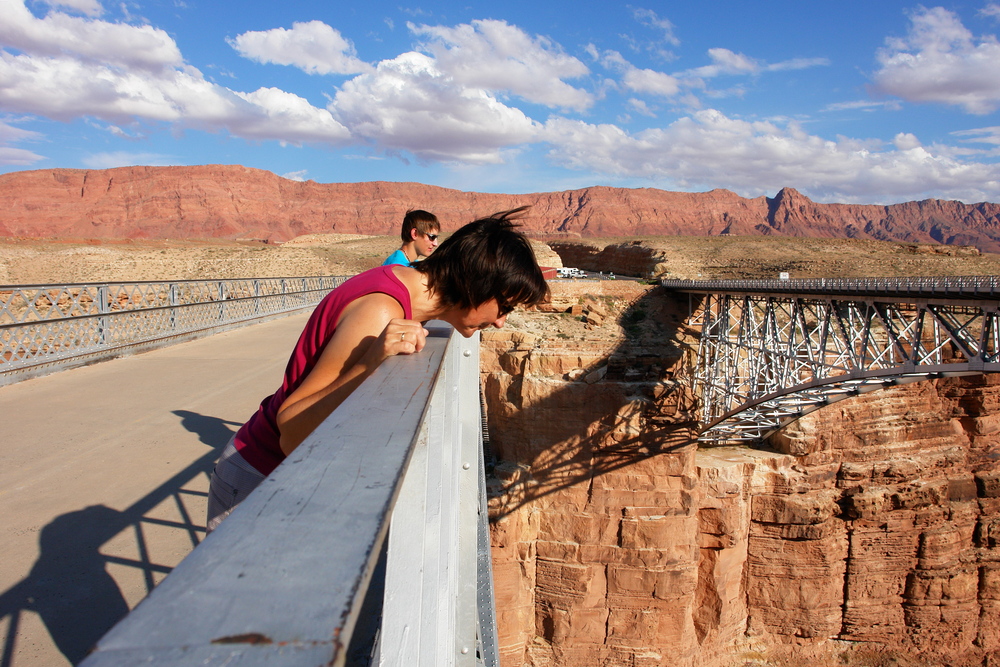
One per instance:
(570, 272)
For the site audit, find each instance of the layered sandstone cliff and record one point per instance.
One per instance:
(218, 201)
(869, 529)
(595, 552)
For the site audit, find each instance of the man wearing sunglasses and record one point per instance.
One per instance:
(420, 236)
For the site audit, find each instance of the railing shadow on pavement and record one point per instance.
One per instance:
(69, 586)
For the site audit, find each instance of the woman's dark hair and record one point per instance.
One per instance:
(486, 259)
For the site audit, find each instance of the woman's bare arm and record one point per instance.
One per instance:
(370, 330)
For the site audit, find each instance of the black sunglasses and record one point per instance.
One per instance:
(432, 237)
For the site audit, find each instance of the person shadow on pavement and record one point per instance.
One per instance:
(69, 586)
(213, 431)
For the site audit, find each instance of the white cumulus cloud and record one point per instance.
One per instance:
(409, 104)
(637, 80)
(66, 67)
(60, 34)
(501, 58)
(639, 106)
(276, 114)
(941, 61)
(299, 176)
(650, 81)
(725, 61)
(906, 141)
(709, 149)
(313, 47)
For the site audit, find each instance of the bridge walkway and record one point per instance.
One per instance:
(103, 476)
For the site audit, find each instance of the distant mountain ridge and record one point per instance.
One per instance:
(222, 201)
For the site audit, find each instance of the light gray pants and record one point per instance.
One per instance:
(232, 481)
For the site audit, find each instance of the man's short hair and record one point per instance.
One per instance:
(483, 260)
(422, 221)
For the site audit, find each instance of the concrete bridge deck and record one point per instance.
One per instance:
(103, 476)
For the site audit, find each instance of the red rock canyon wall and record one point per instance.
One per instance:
(220, 201)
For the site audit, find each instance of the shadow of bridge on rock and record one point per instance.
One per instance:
(616, 438)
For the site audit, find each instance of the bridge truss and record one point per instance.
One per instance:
(773, 351)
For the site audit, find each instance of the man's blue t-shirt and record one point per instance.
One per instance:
(398, 257)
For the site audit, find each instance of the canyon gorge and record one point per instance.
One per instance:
(862, 534)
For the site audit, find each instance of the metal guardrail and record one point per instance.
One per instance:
(44, 328)
(295, 576)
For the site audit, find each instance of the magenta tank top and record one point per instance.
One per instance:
(257, 440)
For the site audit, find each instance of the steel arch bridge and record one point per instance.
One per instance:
(772, 351)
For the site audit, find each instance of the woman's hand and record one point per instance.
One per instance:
(401, 337)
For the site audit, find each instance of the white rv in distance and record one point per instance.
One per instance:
(570, 272)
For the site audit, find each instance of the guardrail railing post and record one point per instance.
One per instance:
(173, 306)
(103, 306)
(222, 301)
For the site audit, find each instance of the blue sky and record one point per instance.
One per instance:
(851, 101)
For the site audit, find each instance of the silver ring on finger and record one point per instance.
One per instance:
(402, 336)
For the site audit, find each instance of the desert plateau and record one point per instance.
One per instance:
(26, 261)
